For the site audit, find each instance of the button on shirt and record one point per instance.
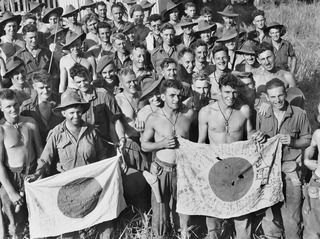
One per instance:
(66, 152)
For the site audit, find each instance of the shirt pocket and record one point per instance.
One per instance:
(64, 154)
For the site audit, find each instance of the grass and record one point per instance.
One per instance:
(303, 31)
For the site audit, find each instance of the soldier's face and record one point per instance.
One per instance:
(275, 34)
(231, 45)
(191, 11)
(53, 19)
(221, 59)
(201, 87)
(207, 18)
(31, 39)
(228, 95)
(172, 98)
(259, 22)
(102, 11)
(11, 28)
(170, 71)
(104, 34)
(174, 15)
(250, 59)
(155, 26)
(83, 83)
(266, 59)
(120, 45)
(92, 26)
(117, 14)
(167, 36)
(187, 30)
(129, 83)
(138, 17)
(109, 73)
(19, 77)
(228, 21)
(138, 57)
(73, 115)
(187, 61)
(277, 97)
(43, 90)
(201, 53)
(10, 109)
(205, 36)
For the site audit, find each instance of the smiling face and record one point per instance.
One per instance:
(129, 83)
(104, 34)
(109, 73)
(275, 34)
(174, 15)
(231, 45)
(249, 59)
(43, 90)
(75, 47)
(229, 95)
(201, 53)
(220, 59)
(11, 28)
(205, 36)
(170, 71)
(266, 59)
(31, 39)
(277, 97)
(259, 22)
(10, 109)
(92, 26)
(19, 77)
(73, 115)
(138, 57)
(187, 61)
(83, 83)
(172, 98)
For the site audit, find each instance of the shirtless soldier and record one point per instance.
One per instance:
(227, 121)
(20, 146)
(159, 136)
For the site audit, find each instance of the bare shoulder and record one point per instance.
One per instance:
(187, 112)
(29, 121)
(154, 118)
(208, 109)
(316, 136)
(245, 109)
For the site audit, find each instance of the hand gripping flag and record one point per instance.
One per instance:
(228, 180)
(76, 199)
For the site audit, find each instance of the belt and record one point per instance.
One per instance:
(168, 167)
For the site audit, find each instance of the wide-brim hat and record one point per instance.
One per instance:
(103, 62)
(129, 2)
(58, 31)
(247, 48)
(149, 84)
(230, 34)
(205, 26)
(12, 64)
(70, 98)
(228, 11)
(9, 49)
(187, 22)
(135, 7)
(33, 6)
(170, 7)
(146, 4)
(88, 3)
(282, 28)
(127, 28)
(7, 17)
(71, 38)
(70, 10)
(49, 11)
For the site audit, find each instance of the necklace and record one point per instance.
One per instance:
(76, 60)
(174, 123)
(135, 110)
(226, 120)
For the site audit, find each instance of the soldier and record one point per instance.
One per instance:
(249, 63)
(101, 9)
(121, 56)
(70, 17)
(92, 38)
(154, 39)
(9, 23)
(141, 31)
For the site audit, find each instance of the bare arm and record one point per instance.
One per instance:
(290, 79)
(94, 67)
(293, 64)
(249, 127)
(203, 125)
(311, 150)
(63, 77)
(36, 138)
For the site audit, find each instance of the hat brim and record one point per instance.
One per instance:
(100, 67)
(16, 18)
(61, 107)
(167, 11)
(151, 89)
(82, 36)
(12, 68)
(58, 32)
(189, 24)
(148, 6)
(226, 14)
(76, 11)
(58, 10)
(283, 29)
(36, 7)
(89, 5)
(230, 37)
(208, 28)
(245, 52)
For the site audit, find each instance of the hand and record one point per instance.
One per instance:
(33, 177)
(259, 137)
(285, 139)
(264, 107)
(169, 142)
(121, 144)
(16, 199)
(139, 125)
(52, 47)
(123, 165)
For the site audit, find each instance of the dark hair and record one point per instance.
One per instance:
(79, 70)
(274, 83)
(138, 46)
(257, 12)
(262, 47)
(206, 10)
(199, 43)
(167, 26)
(29, 28)
(89, 17)
(154, 18)
(29, 15)
(119, 36)
(176, 84)
(118, 5)
(166, 61)
(202, 76)
(218, 48)
(183, 51)
(103, 25)
(101, 3)
(7, 94)
(125, 71)
(229, 79)
(41, 76)
(189, 4)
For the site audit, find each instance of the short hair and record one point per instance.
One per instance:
(118, 36)
(167, 26)
(166, 62)
(41, 76)
(231, 80)
(189, 4)
(126, 71)
(199, 43)
(118, 5)
(256, 13)
(154, 18)
(176, 84)
(202, 76)
(79, 70)
(262, 47)
(103, 25)
(183, 51)
(101, 3)
(219, 48)
(138, 46)
(29, 28)
(29, 15)
(89, 17)
(7, 94)
(275, 83)
(206, 10)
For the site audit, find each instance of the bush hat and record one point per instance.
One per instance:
(231, 34)
(49, 11)
(70, 10)
(130, 2)
(88, 3)
(9, 17)
(34, 6)
(247, 48)
(170, 7)
(228, 11)
(71, 38)
(70, 98)
(12, 64)
(277, 25)
(149, 84)
(103, 62)
(146, 5)
(205, 26)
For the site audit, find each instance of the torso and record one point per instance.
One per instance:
(262, 76)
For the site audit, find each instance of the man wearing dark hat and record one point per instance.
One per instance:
(9, 23)
(51, 17)
(71, 144)
(225, 121)
(88, 6)
(229, 17)
(34, 56)
(70, 17)
(75, 56)
(205, 31)
(137, 15)
(147, 7)
(154, 39)
(107, 75)
(285, 56)
(167, 49)
(20, 145)
(36, 9)
(40, 105)
(171, 13)
(187, 38)
(249, 63)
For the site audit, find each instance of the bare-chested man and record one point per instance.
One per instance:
(268, 70)
(227, 121)
(73, 44)
(160, 136)
(20, 146)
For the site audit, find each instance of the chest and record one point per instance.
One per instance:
(180, 126)
(231, 120)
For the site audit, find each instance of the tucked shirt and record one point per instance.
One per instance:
(66, 152)
(283, 53)
(294, 122)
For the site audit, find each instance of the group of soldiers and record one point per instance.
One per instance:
(75, 90)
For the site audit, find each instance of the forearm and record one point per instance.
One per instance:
(4, 179)
(119, 129)
(147, 146)
(293, 63)
(301, 143)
